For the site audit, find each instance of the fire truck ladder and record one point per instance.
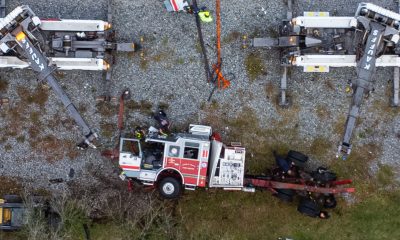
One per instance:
(379, 24)
(17, 35)
(299, 185)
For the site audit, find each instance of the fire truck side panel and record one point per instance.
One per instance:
(227, 169)
(203, 165)
(190, 158)
(214, 157)
(148, 175)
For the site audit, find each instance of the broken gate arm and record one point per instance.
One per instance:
(16, 35)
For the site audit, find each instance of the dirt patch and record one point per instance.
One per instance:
(231, 37)
(322, 112)
(270, 90)
(143, 106)
(39, 96)
(3, 85)
(255, 66)
(106, 109)
(338, 127)
(107, 129)
(52, 148)
(10, 186)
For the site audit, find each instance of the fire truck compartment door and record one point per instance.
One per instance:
(130, 156)
(216, 148)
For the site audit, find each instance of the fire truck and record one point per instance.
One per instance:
(198, 159)
(183, 160)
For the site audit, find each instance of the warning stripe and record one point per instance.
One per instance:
(174, 5)
(130, 167)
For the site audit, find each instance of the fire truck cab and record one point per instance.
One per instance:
(183, 160)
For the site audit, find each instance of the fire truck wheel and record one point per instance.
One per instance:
(285, 195)
(12, 199)
(170, 187)
(330, 201)
(297, 158)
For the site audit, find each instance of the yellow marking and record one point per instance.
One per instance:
(6, 215)
(1, 211)
(20, 36)
(106, 65)
(316, 14)
(316, 69)
(107, 26)
(310, 69)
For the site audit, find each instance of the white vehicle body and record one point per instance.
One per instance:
(191, 157)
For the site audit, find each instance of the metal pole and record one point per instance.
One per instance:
(283, 101)
(396, 80)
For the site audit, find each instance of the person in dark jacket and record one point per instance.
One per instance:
(310, 207)
(163, 122)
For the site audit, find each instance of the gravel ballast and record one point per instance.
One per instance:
(170, 70)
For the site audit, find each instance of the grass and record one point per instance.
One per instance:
(39, 96)
(255, 66)
(385, 176)
(320, 147)
(161, 56)
(323, 112)
(217, 214)
(273, 32)
(338, 128)
(237, 215)
(260, 142)
(8, 147)
(21, 139)
(143, 106)
(106, 109)
(107, 129)
(51, 148)
(163, 105)
(180, 61)
(35, 118)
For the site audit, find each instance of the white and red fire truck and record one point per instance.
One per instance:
(189, 160)
(198, 158)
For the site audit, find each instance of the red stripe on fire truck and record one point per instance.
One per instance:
(174, 5)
